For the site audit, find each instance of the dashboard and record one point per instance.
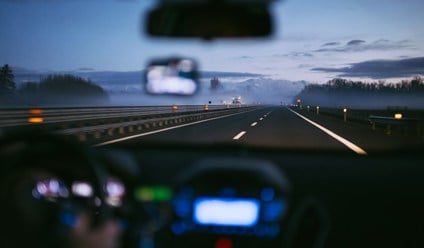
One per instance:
(274, 198)
(220, 196)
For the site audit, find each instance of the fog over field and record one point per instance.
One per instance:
(126, 88)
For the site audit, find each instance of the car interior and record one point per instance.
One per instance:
(60, 190)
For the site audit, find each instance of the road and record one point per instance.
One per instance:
(275, 127)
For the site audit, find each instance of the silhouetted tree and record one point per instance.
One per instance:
(417, 83)
(341, 92)
(215, 83)
(7, 85)
(63, 89)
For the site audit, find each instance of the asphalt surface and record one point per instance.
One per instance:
(283, 128)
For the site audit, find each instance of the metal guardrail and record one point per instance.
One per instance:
(390, 122)
(107, 131)
(28, 116)
(98, 124)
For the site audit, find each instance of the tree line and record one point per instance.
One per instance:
(343, 92)
(50, 90)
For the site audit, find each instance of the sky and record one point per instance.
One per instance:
(314, 40)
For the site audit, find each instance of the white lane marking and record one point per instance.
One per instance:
(342, 140)
(254, 124)
(261, 119)
(166, 129)
(238, 136)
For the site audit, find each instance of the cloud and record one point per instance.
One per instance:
(220, 74)
(244, 57)
(362, 46)
(85, 69)
(295, 55)
(355, 42)
(331, 44)
(304, 66)
(380, 69)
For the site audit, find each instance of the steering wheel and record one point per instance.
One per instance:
(45, 180)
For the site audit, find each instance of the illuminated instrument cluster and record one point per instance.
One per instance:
(229, 213)
(225, 203)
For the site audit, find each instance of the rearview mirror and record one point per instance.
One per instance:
(210, 19)
(171, 76)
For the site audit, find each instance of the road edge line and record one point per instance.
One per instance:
(335, 136)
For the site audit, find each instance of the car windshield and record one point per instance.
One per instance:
(335, 75)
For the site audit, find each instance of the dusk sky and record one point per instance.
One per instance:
(312, 39)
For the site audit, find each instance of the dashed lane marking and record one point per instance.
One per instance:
(238, 136)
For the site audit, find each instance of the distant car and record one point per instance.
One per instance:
(237, 100)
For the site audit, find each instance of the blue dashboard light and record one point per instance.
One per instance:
(274, 230)
(178, 228)
(273, 210)
(214, 211)
(181, 227)
(267, 194)
(68, 218)
(182, 207)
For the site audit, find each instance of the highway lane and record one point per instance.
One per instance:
(269, 127)
(216, 130)
(364, 136)
(283, 128)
